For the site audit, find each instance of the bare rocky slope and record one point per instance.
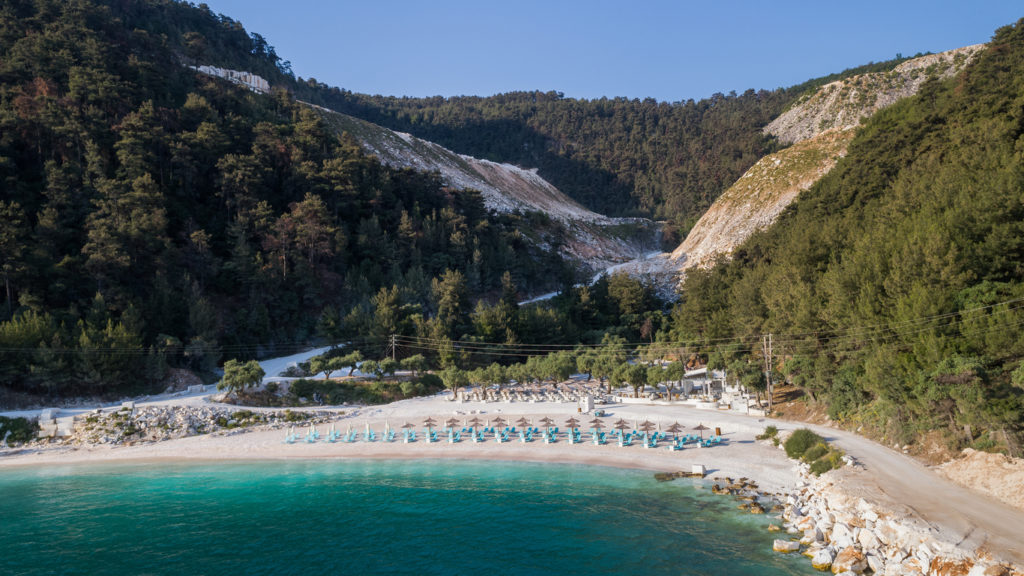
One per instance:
(591, 239)
(844, 103)
(757, 199)
(820, 127)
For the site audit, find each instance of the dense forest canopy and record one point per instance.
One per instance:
(893, 286)
(146, 207)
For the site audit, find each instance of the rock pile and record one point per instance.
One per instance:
(848, 535)
(156, 424)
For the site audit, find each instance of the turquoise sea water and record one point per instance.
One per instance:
(374, 517)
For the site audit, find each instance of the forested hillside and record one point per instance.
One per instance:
(893, 287)
(148, 207)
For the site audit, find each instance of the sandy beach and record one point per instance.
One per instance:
(738, 456)
(964, 518)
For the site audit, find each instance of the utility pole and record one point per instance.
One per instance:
(392, 346)
(766, 346)
(771, 383)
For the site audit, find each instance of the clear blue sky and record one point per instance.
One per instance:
(668, 50)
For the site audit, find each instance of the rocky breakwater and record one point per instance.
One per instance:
(129, 425)
(848, 535)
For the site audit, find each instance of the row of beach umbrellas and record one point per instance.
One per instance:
(596, 423)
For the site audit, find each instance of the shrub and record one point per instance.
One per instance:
(800, 441)
(769, 432)
(815, 452)
(831, 461)
(242, 415)
(294, 372)
(431, 383)
(290, 416)
(410, 388)
(20, 429)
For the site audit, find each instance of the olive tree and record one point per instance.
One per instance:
(238, 376)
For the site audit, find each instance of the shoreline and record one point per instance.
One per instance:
(738, 457)
(915, 496)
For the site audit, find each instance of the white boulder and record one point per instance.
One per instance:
(842, 536)
(849, 559)
(868, 540)
(785, 546)
(822, 559)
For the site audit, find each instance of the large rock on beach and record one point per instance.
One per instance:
(876, 563)
(812, 535)
(868, 540)
(849, 560)
(842, 536)
(822, 559)
(786, 546)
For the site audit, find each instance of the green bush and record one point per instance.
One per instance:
(769, 432)
(431, 383)
(831, 461)
(815, 452)
(800, 441)
(20, 429)
(290, 416)
(818, 467)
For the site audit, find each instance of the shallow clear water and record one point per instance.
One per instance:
(374, 517)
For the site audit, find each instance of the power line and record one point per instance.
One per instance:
(845, 340)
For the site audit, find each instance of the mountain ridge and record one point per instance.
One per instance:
(818, 130)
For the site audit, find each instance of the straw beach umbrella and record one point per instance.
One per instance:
(646, 426)
(522, 421)
(429, 423)
(702, 428)
(572, 423)
(451, 423)
(675, 429)
(475, 422)
(498, 422)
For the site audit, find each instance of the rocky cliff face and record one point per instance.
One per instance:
(820, 127)
(593, 240)
(844, 103)
(757, 199)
